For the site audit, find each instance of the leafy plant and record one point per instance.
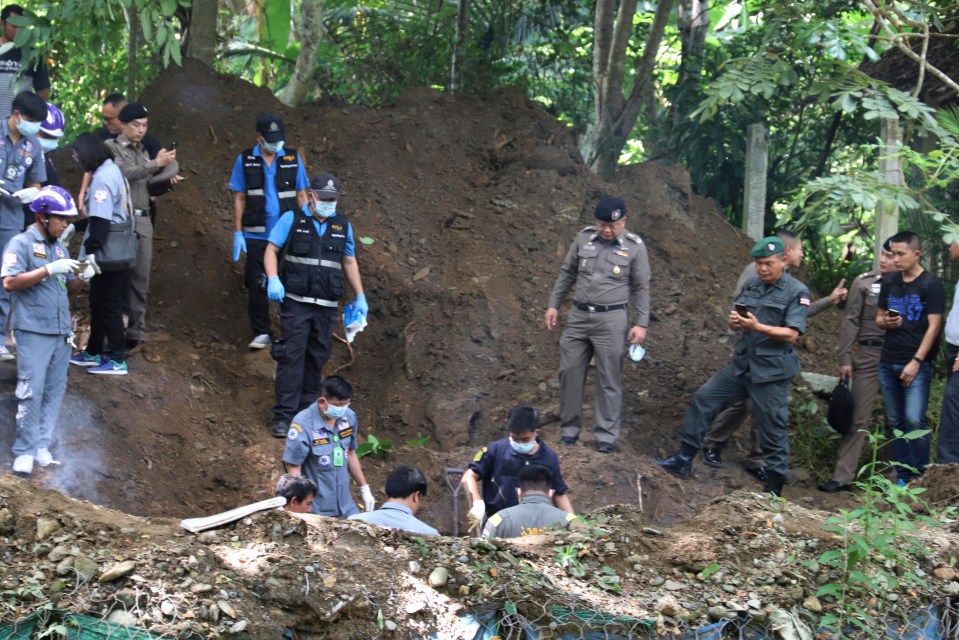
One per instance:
(373, 445)
(419, 442)
(608, 580)
(568, 559)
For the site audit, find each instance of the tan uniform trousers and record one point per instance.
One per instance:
(865, 388)
(139, 281)
(602, 337)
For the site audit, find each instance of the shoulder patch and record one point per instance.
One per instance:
(291, 434)
(804, 300)
(9, 259)
(479, 454)
(495, 519)
(296, 426)
(635, 238)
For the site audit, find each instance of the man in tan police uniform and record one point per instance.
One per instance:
(610, 269)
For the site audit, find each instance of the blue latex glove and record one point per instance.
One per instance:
(239, 245)
(275, 290)
(361, 306)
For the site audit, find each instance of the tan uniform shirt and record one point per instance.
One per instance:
(606, 273)
(859, 322)
(134, 161)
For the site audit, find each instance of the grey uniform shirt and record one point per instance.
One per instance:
(137, 167)
(311, 443)
(43, 307)
(20, 164)
(859, 321)
(393, 515)
(533, 515)
(605, 273)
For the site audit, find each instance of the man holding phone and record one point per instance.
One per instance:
(775, 306)
(910, 308)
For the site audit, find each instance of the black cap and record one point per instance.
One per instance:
(523, 418)
(611, 209)
(132, 111)
(326, 186)
(270, 127)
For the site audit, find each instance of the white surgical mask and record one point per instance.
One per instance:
(324, 208)
(28, 128)
(334, 412)
(636, 352)
(275, 148)
(521, 447)
(48, 144)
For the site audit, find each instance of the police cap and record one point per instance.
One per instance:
(326, 186)
(611, 209)
(270, 126)
(768, 246)
(132, 111)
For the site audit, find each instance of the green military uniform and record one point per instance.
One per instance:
(761, 370)
(534, 514)
(608, 276)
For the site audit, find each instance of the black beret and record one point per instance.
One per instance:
(132, 111)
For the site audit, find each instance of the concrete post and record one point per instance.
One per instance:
(890, 168)
(754, 190)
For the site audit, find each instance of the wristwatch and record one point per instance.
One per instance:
(917, 359)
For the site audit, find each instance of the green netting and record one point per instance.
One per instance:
(77, 628)
(600, 618)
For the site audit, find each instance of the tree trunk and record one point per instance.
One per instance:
(301, 82)
(133, 40)
(693, 17)
(459, 45)
(202, 37)
(616, 114)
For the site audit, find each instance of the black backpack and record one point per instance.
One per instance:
(841, 406)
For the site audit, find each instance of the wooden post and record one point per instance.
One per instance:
(890, 168)
(754, 190)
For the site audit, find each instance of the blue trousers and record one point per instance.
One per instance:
(42, 363)
(948, 441)
(906, 411)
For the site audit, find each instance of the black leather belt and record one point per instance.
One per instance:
(870, 343)
(598, 308)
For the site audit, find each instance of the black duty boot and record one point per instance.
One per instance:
(713, 456)
(680, 464)
(774, 483)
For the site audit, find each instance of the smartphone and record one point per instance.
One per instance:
(173, 146)
(742, 310)
(892, 313)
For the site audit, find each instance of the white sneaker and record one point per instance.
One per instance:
(260, 342)
(5, 354)
(44, 458)
(23, 464)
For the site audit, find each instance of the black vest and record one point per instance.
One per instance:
(312, 265)
(254, 215)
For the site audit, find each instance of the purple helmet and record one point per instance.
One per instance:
(54, 201)
(53, 125)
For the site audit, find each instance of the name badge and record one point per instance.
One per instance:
(338, 458)
(320, 442)
(39, 250)
(345, 433)
(10, 173)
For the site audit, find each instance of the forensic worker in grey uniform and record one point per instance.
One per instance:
(22, 171)
(771, 311)
(610, 269)
(535, 512)
(38, 273)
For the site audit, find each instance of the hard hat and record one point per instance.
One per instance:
(54, 201)
(53, 125)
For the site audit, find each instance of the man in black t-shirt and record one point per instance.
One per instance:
(12, 81)
(910, 308)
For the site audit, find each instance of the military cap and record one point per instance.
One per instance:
(611, 209)
(768, 246)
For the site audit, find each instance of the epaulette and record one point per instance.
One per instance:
(495, 519)
(635, 238)
(589, 229)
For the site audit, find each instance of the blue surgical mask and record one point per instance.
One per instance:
(334, 412)
(28, 128)
(522, 447)
(275, 148)
(48, 144)
(324, 208)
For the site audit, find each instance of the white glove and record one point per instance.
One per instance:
(26, 196)
(63, 265)
(92, 269)
(476, 515)
(67, 234)
(368, 502)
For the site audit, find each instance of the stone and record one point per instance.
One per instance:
(944, 573)
(655, 582)
(58, 553)
(668, 605)
(415, 566)
(65, 566)
(128, 597)
(117, 571)
(125, 618)
(7, 521)
(85, 567)
(167, 608)
(464, 590)
(439, 577)
(226, 608)
(720, 613)
(46, 527)
(238, 627)
(390, 625)
(812, 603)
(672, 585)
(201, 587)
(415, 607)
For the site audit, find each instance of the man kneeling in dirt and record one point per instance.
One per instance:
(298, 491)
(771, 311)
(535, 512)
(406, 488)
(498, 465)
(321, 445)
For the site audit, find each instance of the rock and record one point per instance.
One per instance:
(720, 613)
(65, 567)
(85, 567)
(439, 577)
(672, 585)
(117, 571)
(944, 573)
(812, 603)
(168, 608)
(415, 566)
(46, 527)
(329, 581)
(655, 582)
(208, 537)
(464, 590)
(58, 553)
(668, 605)
(128, 597)
(201, 588)
(7, 522)
(125, 618)
(422, 273)
(390, 625)
(238, 627)
(415, 607)
(226, 608)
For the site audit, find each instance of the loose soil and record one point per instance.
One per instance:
(470, 203)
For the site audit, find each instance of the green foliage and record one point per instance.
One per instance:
(811, 441)
(419, 442)
(877, 554)
(568, 558)
(373, 445)
(608, 580)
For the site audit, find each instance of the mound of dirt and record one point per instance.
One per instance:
(325, 578)
(468, 204)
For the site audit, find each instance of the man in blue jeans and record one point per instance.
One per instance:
(910, 308)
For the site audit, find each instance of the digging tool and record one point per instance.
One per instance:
(453, 477)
